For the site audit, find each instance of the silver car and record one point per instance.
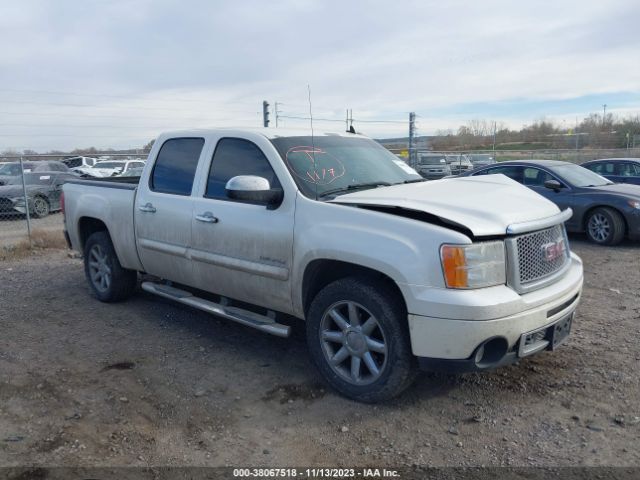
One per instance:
(433, 166)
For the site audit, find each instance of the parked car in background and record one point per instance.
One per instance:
(481, 159)
(10, 170)
(43, 193)
(75, 162)
(109, 168)
(618, 170)
(605, 211)
(459, 163)
(132, 172)
(389, 271)
(81, 165)
(433, 166)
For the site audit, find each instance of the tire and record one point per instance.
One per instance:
(338, 325)
(108, 280)
(40, 207)
(605, 226)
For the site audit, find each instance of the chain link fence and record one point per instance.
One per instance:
(30, 195)
(567, 155)
(30, 185)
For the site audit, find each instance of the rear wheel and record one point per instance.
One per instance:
(358, 338)
(108, 280)
(605, 226)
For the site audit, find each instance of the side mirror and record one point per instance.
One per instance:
(553, 185)
(251, 188)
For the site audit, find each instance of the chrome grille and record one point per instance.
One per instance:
(536, 257)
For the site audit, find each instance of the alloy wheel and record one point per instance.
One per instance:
(99, 269)
(353, 343)
(599, 227)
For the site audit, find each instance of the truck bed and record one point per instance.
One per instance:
(109, 200)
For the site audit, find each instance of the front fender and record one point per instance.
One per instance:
(403, 249)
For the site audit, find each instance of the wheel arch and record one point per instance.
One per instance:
(321, 272)
(87, 226)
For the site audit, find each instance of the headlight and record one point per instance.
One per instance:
(634, 204)
(474, 266)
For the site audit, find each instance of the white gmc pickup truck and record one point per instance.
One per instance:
(390, 272)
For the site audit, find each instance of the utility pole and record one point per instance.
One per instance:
(265, 113)
(276, 112)
(604, 113)
(413, 161)
(576, 132)
(346, 122)
(494, 139)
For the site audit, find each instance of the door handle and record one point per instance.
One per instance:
(207, 217)
(148, 207)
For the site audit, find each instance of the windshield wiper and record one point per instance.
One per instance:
(414, 180)
(354, 186)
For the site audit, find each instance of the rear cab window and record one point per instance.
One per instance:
(176, 165)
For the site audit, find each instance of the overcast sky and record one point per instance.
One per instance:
(112, 73)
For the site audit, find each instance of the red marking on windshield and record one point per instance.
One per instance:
(314, 165)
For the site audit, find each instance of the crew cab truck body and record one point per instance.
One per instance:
(389, 272)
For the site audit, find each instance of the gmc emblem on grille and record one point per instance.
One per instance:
(553, 250)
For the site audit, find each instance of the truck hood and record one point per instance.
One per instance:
(485, 205)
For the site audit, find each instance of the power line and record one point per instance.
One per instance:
(88, 105)
(105, 95)
(83, 115)
(309, 118)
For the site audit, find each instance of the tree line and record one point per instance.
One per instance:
(595, 131)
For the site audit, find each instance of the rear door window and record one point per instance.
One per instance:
(175, 167)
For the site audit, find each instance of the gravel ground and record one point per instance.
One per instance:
(149, 382)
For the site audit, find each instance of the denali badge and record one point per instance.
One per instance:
(553, 250)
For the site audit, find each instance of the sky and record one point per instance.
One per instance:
(113, 74)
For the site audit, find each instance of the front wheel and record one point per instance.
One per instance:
(40, 207)
(358, 338)
(605, 226)
(108, 280)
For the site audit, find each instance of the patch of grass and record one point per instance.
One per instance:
(40, 240)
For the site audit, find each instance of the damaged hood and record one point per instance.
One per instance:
(486, 205)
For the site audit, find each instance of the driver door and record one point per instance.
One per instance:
(242, 250)
(534, 178)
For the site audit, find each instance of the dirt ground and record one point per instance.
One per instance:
(149, 382)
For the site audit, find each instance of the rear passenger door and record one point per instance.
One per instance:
(242, 250)
(163, 209)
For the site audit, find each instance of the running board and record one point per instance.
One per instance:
(263, 323)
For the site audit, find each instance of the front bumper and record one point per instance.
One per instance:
(633, 224)
(496, 316)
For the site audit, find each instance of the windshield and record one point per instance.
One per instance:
(32, 179)
(458, 160)
(432, 160)
(579, 176)
(12, 169)
(328, 163)
(109, 165)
